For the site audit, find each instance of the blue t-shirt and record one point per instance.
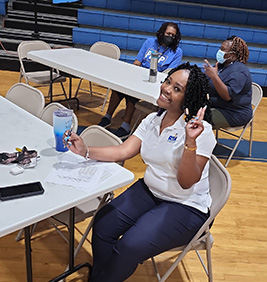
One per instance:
(167, 60)
(237, 111)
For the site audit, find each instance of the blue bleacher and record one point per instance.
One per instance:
(247, 4)
(152, 24)
(235, 14)
(199, 39)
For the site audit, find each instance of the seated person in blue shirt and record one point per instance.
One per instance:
(166, 43)
(230, 84)
(167, 207)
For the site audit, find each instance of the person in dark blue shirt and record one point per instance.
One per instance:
(230, 84)
(166, 43)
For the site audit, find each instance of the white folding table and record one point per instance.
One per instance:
(114, 74)
(19, 128)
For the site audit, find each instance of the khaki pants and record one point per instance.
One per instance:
(218, 120)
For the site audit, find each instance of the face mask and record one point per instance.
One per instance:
(167, 40)
(220, 56)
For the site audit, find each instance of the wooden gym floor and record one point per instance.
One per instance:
(239, 252)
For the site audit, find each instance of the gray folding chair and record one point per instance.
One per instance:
(97, 136)
(220, 188)
(38, 78)
(27, 97)
(106, 49)
(144, 108)
(47, 114)
(256, 98)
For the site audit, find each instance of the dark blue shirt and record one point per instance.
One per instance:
(237, 111)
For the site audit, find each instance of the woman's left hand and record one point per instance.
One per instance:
(210, 71)
(195, 125)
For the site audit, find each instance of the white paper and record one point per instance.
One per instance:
(73, 170)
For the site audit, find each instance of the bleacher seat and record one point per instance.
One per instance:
(118, 38)
(186, 10)
(152, 24)
(85, 36)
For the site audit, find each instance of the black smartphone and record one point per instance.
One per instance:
(21, 190)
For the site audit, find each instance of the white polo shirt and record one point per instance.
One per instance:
(162, 153)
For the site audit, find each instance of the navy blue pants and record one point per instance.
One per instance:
(136, 226)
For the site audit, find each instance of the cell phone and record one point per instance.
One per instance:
(21, 190)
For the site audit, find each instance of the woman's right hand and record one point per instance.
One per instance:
(75, 143)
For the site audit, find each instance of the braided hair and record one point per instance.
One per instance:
(161, 31)
(196, 93)
(240, 48)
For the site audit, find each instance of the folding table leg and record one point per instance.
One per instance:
(27, 239)
(72, 268)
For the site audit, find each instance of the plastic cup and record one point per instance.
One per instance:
(62, 121)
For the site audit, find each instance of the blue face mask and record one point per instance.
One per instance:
(220, 56)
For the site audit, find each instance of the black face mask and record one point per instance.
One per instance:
(168, 40)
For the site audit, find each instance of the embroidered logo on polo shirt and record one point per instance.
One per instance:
(172, 138)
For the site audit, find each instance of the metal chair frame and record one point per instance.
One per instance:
(257, 94)
(106, 49)
(220, 188)
(38, 78)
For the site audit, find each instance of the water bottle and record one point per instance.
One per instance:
(62, 121)
(153, 71)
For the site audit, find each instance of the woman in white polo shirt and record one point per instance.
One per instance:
(168, 206)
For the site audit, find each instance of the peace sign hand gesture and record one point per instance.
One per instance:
(195, 126)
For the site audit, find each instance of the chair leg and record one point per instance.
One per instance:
(235, 147)
(90, 87)
(208, 254)
(58, 230)
(19, 236)
(156, 269)
(217, 134)
(78, 88)
(63, 89)
(174, 265)
(250, 139)
(105, 101)
(20, 76)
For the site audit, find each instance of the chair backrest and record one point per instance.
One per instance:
(27, 97)
(257, 94)
(106, 49)
(220, 185)
(47, 114)
(31, 45)
(98, 136)
(220, 188)
(23, 49)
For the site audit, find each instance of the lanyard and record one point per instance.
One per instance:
(161, 54)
